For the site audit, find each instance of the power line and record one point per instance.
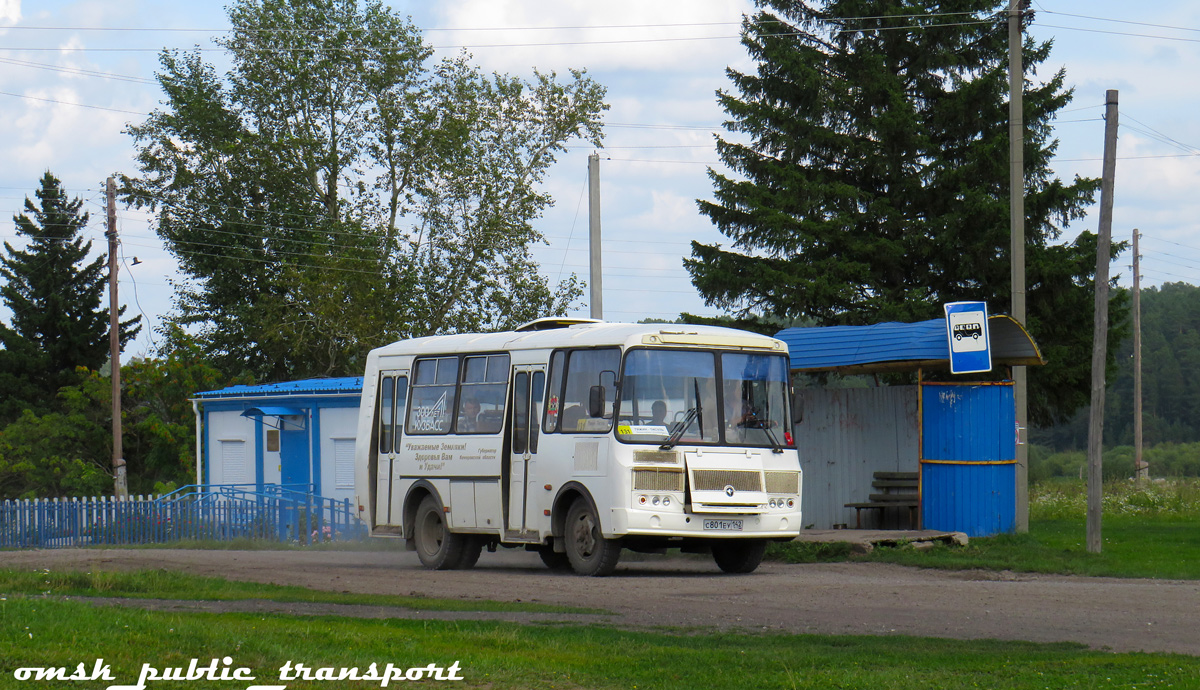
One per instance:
(79, 105)
(1120, 21)
(76, 70)
(1122, 33)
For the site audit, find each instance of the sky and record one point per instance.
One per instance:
(75, 75)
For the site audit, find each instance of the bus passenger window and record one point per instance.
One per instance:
(433, 395)
(482, 394)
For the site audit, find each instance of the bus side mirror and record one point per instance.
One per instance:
(596, 401)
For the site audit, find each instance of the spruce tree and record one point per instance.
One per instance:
(55, 294)
(871, 156)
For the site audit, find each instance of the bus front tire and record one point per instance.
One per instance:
(587, 550)
(438, 547)
(739, 556)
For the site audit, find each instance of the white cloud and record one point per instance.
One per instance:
(661, 36)
(10, 11)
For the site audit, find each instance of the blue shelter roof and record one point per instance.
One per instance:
(332, 386)
(899, 346)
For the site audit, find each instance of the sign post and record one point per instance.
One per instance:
(967, 332)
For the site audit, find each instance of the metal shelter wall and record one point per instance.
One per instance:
(844, 437)
(968, 457)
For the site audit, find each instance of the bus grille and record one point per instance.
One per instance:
(783, 482)
(717, 480)
(657, 479)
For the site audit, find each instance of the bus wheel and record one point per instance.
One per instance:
(554, 560)
(437, 547)
(472, 546)
(739, 555)
(587, 550)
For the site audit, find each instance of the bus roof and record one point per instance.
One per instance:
(593, 334)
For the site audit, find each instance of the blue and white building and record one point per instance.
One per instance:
(298, 434)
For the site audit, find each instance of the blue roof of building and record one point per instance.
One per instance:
(329, 386)
(898, 346)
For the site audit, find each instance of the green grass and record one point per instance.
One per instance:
(162, 584)
(1150, 530)
(48, 632)
(1132, 547)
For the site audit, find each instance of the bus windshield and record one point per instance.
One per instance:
(678, 396)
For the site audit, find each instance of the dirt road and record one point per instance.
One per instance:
(840, 598)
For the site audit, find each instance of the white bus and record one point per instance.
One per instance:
(579, 438)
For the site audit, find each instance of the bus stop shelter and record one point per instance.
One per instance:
(956, 435)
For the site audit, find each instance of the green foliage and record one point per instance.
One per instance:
(159, 424)
(55, 295)
(871, 152)
(339, 190)
(1170, 379)
(67, 451)
(60, 453)
(1165, 460)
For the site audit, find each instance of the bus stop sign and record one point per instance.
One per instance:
(967, 331)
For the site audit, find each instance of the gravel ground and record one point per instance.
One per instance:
(690, 592)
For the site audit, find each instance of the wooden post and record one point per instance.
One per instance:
(1016, 212)
(1140, 466)
(1095, 487)
(120, 484)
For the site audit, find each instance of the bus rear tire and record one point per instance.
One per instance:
(587, 550)
(558, 562)
(438, 547)
(739, 556)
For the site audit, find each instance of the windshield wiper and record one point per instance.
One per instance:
(689, 417)
(765, 425)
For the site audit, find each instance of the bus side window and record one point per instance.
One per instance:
(535, 398)
(585, 369)
(482, 392)
(554, 392)
(432, 406)
(520, 412)
(401, 403)
(387, 414)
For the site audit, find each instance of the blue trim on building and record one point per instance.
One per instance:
(344, 385)
(314, 450)
(259, 470)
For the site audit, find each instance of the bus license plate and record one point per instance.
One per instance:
(735, 525)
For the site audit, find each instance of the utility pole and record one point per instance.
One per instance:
(1095, 489)
(1016, 214)
(1141, 467)
(121, 485)
(594, 279)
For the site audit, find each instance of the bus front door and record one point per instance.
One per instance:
(521, 504)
